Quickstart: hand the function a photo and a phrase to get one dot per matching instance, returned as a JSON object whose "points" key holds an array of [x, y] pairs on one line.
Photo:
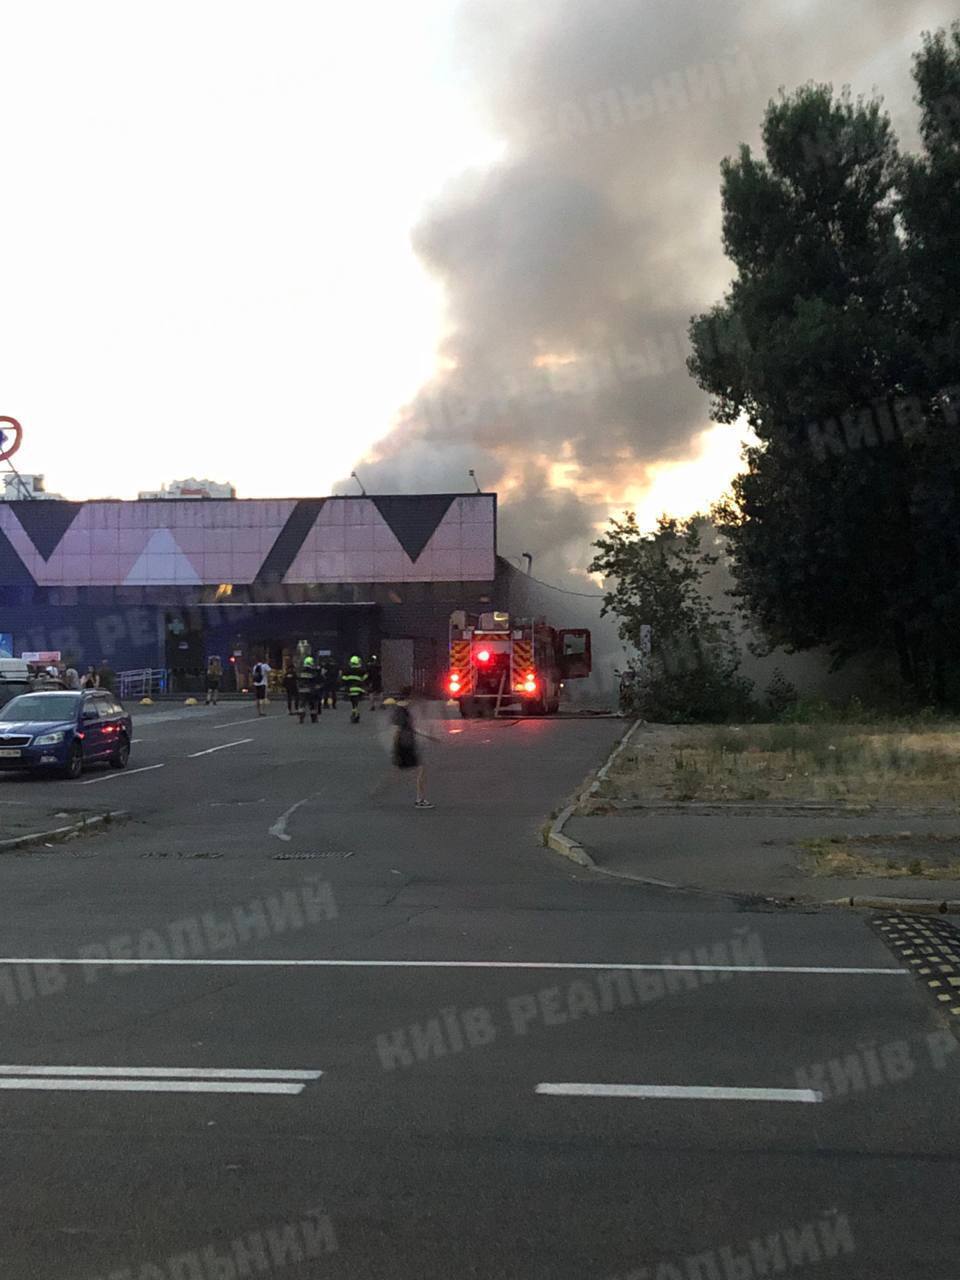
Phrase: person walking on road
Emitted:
{"points": [[90, 680], [329, 680], [406, 751], [214, 676], [106, 679], [261, 678], [375, 672], [291, 687], [309, 698], [355, 682], [71, 678]]}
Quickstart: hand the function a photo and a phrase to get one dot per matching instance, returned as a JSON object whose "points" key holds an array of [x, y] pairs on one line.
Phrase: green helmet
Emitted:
{"points": [[308, 662], [356, 662]]}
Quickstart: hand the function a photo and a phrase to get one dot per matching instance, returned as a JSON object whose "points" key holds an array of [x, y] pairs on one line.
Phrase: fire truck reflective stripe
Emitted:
{"points": [[460, 666], [522, 658]]}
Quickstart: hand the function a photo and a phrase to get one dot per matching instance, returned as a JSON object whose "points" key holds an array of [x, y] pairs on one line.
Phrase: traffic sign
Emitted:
{"points": [[9, 440]]}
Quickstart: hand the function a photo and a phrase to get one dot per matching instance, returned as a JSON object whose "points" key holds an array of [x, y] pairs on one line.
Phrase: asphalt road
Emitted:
{"points": [[366, 1041]]}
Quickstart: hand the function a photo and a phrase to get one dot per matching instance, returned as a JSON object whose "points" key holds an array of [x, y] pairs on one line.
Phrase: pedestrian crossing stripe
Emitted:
{"points": [[930, 948]]}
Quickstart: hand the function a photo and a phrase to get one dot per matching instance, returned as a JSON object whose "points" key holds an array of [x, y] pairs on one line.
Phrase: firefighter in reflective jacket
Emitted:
{"points": [[308, 686], [355, 681]]}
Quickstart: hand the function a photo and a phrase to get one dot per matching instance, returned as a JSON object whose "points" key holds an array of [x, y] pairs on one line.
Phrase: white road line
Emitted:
{"points": [[469, 964], [279, 828], [210, 750], [164, 1073], [134, 741], [232, 724], [76, 1085], [122, 773], [710, 1093]]}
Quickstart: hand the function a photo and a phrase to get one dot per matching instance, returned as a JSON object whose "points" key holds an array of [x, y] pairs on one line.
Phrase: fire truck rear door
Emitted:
{"points": [[575, 653]]}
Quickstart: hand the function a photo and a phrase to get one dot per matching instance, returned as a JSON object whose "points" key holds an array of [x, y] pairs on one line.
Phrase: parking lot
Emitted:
{"points": [[275, 1012]]}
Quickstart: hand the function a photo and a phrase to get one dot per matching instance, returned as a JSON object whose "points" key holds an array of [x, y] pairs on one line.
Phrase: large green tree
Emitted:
{"points": [[839, 528]]}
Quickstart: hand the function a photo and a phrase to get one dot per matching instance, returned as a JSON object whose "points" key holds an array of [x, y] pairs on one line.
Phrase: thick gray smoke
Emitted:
{"points": [[572, 267]]}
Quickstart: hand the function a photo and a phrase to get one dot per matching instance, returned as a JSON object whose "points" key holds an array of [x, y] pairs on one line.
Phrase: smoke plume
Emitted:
{"points": [[572, 266]]}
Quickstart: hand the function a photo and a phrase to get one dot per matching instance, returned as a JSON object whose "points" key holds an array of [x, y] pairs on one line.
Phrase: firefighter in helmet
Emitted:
{"points": [[355, 683], [309, 690]]}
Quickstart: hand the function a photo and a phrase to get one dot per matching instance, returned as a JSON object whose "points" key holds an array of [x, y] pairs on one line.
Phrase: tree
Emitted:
{"points": [[689, 669], [839, 527]]}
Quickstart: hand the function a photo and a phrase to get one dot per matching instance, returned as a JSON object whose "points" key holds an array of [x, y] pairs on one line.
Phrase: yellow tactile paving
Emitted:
{"points": [[931, 948]]}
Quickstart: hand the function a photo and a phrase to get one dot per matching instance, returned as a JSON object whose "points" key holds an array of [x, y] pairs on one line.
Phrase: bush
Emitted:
{"points": [[781, 695], [711, 693]]}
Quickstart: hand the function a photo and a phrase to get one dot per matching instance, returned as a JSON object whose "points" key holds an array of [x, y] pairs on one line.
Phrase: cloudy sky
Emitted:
{"points": [[268, 244]]}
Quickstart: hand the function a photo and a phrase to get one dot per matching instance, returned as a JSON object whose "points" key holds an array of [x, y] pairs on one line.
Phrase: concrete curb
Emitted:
{"points": [[562, 844], [925, 906], [61, 833], [572, 849]]}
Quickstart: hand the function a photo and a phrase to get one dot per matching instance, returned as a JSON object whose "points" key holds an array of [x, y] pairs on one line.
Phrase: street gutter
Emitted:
{"points": [[60, 834], [556, 840]]}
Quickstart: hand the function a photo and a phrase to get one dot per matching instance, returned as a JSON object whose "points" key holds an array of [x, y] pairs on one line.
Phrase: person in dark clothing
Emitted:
{"points": [[329, 683], [406, 752], [108, 679], [291, 688], [309, 696], [375, 672], [214, 676], [355, 681]]}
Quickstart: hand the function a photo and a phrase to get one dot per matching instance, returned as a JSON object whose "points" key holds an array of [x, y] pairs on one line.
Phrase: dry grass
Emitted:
{"points": [[853, 856], [784, 763]]}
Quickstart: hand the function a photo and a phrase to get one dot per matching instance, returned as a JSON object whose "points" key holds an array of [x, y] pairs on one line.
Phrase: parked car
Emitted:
{"points": [[62, 731], [17, 676]]}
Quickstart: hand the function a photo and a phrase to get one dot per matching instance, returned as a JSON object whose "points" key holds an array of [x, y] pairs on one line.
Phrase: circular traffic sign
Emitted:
{"points": [[9, 440]]}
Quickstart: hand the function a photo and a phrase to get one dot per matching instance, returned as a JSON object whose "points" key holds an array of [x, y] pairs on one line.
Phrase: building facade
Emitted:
{"points": [[170, 583]]}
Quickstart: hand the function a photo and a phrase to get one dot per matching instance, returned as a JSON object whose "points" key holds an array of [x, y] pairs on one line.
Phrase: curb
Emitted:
{"points": [[562, 844], [572, 849], [927, 906], [61, 833]]}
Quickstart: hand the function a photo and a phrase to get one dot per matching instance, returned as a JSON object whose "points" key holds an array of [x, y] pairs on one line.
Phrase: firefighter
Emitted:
{"points": [[308, 690], [355, 681]]}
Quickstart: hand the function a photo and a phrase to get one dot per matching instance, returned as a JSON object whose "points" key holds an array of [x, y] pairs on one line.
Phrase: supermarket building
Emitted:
{"points": [[168, 584]]}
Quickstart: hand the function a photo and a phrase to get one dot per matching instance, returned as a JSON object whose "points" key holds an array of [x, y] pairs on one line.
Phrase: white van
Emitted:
{"points": [[14, 679], [14, 669]]}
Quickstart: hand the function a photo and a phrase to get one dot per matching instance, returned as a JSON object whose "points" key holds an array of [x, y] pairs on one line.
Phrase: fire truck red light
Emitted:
{"points": [[483, 655]]}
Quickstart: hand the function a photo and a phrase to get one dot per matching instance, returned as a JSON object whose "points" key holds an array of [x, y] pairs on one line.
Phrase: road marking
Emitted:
{"points": [[134, 741], [155, 1080], [279, 828], [165, 1073], [232, 724], [470, 964], [710, 1093], [122, 773], [80, 1085], [210, 750]]}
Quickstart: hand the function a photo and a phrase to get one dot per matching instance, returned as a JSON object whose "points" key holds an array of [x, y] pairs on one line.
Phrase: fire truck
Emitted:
{"points": [[500, 664]]}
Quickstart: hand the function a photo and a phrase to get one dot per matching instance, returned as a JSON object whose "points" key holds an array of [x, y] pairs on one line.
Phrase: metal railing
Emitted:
{"points": [[146, 683]]}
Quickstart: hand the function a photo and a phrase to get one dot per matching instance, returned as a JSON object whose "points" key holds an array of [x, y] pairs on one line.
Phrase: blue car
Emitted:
{"points": [[62, 731]]}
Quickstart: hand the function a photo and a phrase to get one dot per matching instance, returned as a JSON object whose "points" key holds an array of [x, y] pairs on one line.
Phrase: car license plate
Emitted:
{"points": [[11, 753]]}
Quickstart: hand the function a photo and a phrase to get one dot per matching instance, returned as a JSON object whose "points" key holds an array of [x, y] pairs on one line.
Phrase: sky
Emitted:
{"points": [[272, 245]]}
